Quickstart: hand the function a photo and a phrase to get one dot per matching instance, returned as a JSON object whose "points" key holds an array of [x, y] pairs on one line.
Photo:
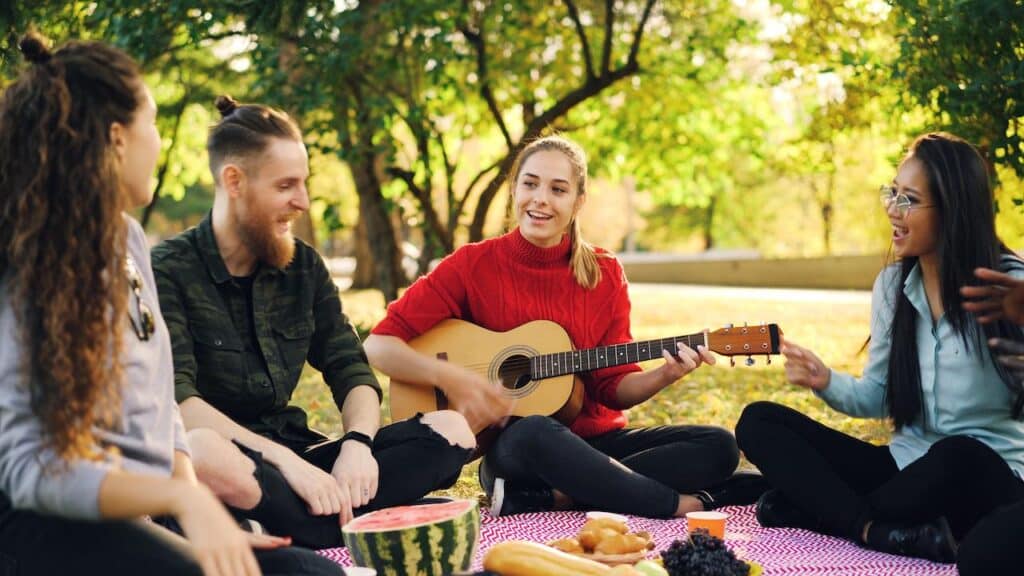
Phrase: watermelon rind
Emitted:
{"points": [[385, 541]]}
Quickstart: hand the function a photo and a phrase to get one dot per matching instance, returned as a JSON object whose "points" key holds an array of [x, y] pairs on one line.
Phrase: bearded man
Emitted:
{"points": [[247, 306]]}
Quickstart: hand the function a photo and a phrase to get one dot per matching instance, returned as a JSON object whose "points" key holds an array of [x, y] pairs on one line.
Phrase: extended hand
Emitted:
{"points": [[1002, 297], [219, 545], [803, 368], [317, 488], [357, 473]]}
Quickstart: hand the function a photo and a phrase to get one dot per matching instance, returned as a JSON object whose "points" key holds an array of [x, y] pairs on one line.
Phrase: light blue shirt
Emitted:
{"points": [[962, 392]]}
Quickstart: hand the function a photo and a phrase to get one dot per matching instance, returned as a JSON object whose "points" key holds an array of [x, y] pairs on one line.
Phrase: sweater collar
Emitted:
{"points": [[529, 254]]}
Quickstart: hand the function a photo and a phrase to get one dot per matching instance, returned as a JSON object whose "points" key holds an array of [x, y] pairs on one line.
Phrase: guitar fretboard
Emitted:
{"points": [[572, 362]]}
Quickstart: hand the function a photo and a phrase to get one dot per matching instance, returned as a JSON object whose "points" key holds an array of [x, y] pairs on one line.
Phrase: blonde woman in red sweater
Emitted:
{"points": [[544, 270]]}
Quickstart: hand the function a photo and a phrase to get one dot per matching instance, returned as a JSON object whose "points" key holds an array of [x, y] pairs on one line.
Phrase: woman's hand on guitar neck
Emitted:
{"points": [[803, 367], [685, 361], [477, 399]]}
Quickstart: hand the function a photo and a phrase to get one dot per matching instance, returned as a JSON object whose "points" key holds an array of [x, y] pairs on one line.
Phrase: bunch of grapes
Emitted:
{"points": [[702, 555]]}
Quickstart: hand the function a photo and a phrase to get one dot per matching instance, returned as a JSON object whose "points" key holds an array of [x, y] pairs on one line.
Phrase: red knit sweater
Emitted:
{"points": [[502, 283]]}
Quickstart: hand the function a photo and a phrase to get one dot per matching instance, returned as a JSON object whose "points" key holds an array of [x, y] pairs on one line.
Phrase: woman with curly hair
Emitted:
{"points": [[90, 437]]}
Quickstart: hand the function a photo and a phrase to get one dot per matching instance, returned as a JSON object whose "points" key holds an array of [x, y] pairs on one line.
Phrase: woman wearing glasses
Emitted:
{"points": [[957, 451], [90, 437]]}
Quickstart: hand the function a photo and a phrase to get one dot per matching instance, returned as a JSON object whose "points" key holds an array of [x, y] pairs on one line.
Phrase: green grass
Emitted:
{"points": [[833, 324]]}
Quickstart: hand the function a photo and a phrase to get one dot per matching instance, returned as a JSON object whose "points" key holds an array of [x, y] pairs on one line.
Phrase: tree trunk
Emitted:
{"points": [[709, 224], [365, 275], [383, 254]]}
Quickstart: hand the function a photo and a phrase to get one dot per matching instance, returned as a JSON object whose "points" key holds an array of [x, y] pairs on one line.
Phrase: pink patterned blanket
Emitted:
{"points": [[780, 551]]}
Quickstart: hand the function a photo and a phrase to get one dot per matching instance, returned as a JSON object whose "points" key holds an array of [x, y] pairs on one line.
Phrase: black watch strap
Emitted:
{"points": [[358, 437]]}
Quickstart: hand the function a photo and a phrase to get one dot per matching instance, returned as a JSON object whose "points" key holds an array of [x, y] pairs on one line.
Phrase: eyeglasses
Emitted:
{"points": [[890, 195], [146, 324]]}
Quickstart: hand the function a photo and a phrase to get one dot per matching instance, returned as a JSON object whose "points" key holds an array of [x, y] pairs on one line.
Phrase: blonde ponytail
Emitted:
{"points": [[583, 258]]}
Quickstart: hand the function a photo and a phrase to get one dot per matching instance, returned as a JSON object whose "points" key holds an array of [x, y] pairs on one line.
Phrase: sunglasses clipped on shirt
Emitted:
{"points": [[145, 325]]}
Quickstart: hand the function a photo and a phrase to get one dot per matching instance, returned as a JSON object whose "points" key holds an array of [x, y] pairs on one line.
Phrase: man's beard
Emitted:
{"points": [[257, 231]]}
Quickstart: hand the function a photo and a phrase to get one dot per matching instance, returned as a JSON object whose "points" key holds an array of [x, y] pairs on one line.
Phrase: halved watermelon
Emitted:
{"points": [[431, 539]]}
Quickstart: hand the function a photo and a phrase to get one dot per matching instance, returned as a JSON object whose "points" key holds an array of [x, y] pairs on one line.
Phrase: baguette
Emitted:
{"points": [[518, 558]]}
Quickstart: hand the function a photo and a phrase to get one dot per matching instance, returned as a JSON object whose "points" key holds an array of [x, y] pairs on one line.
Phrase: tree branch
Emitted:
{"points": [[609, 25], [474, 182], [638, 34], [423, 195], [477, 41], [574, 14]]}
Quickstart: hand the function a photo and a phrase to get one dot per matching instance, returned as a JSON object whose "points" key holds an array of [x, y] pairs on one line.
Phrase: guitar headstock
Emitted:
{"points": [[745, 340]]}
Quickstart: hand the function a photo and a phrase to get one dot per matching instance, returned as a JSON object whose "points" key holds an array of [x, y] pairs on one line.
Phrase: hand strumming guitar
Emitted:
{"points": [[477, 399]]}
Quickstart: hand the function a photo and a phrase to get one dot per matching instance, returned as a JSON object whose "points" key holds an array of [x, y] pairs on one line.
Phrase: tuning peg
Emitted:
{"points": [[749, 361], [768, 359], [732, 361], [727, 326]]}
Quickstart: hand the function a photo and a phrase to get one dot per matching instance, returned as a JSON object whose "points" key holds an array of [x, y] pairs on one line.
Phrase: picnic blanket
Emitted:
{"points": [[781, 551]]}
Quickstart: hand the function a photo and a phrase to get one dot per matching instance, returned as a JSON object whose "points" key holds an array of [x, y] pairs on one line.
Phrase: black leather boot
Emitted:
{"points": [[775, 510], [931, 540]]}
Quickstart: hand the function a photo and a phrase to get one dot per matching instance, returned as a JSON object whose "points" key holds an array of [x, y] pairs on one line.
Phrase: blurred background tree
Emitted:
{"points": [[710, 125]]}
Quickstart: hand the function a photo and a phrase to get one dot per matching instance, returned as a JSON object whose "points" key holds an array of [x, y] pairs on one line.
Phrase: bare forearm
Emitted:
{"points": [[361, 412], [197, 413], [637, 387], [183, 469], [394, 357], [127, 495]]}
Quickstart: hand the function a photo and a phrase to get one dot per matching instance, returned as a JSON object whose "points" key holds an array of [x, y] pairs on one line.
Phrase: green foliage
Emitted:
{"points": [[963, 60]]}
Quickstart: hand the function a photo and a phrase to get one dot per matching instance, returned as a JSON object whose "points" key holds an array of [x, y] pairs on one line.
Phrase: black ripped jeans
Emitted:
{"points": [[413, 459]]}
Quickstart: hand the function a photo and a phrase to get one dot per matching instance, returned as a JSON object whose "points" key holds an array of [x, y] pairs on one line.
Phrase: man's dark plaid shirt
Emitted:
{"points": [[244, 357]]}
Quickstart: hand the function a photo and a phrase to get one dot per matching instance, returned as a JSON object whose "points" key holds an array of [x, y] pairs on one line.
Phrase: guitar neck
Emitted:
{"points": [[575, 361]]}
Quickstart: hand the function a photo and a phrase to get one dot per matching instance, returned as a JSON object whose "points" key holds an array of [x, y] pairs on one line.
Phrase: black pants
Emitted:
{"points": [[637, 471], [845, 482], [36, 544], [993, 546], [413, 460]]}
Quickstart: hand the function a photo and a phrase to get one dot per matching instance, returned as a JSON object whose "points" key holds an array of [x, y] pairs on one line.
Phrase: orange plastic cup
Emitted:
{"points": [[713, 522]]}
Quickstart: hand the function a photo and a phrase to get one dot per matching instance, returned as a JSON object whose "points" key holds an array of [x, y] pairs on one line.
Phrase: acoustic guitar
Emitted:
{"points": [[536, 363]]}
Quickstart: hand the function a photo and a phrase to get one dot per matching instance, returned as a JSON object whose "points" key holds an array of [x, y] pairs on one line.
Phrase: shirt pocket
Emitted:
{"points": [[221, 368], [293, 341]]}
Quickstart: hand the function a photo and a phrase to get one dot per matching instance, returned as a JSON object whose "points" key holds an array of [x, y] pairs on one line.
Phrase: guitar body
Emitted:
{"points": [[499, 357]]}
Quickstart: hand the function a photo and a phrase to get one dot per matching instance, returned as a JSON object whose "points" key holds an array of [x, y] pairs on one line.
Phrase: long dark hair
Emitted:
{"points": [[62, 236], [962, 194]]}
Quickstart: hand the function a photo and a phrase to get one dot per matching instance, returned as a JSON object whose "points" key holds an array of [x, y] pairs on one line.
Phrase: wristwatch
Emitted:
{"points": [[358, 437]]}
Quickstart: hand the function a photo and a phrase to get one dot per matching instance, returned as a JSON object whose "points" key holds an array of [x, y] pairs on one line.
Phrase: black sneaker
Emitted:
{"points": [[741, 489], [775, 510], [486, 477], [507, 500], [931, 540]]}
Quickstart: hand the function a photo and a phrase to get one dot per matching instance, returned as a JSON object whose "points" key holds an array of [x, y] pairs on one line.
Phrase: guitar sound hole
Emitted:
{"points": [[514, 372]]}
